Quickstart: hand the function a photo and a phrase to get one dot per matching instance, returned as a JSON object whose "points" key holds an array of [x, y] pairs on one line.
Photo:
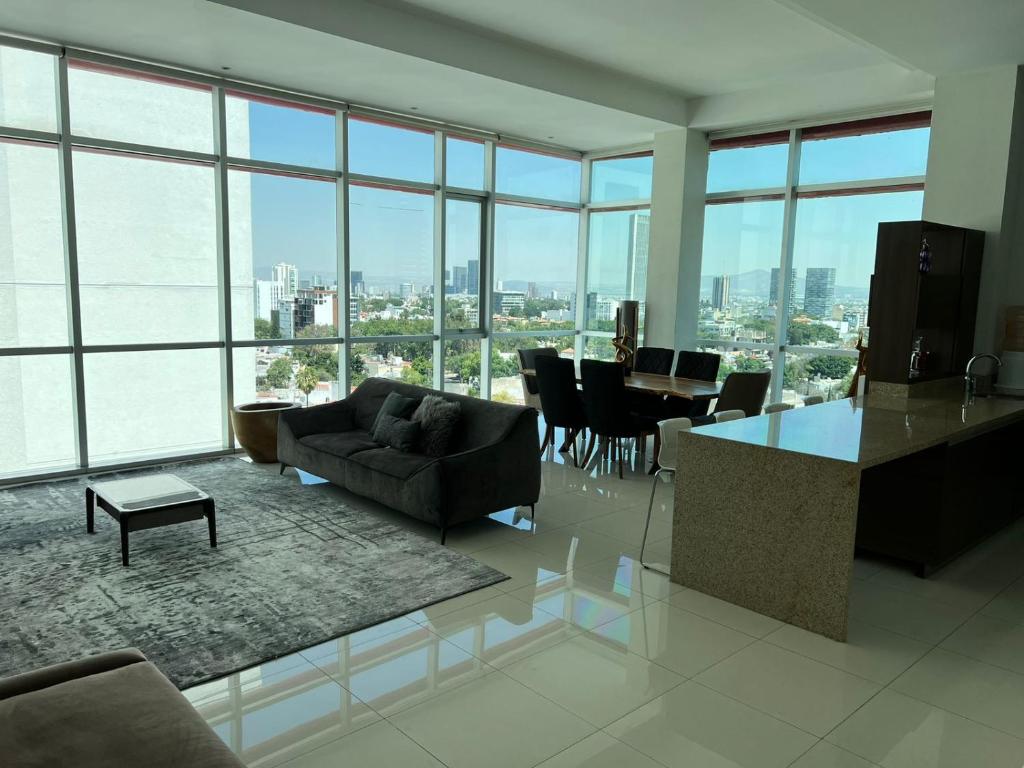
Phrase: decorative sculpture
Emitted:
{"points": [[627, 326]]}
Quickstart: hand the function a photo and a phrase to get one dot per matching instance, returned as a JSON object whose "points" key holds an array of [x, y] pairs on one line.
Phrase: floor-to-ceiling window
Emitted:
{"points": [[618, 244], [789, 245], [174, 244]]}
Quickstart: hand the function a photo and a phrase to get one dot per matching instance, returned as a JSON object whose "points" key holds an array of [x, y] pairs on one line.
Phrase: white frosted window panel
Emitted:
{"points": [[33, 301], [146, 404], [28, 90], [37, 415], [139, 109], [147, 250]]}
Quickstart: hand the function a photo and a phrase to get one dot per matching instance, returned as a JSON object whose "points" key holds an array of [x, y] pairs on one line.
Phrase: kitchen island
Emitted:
{"points": [[769, 509]]}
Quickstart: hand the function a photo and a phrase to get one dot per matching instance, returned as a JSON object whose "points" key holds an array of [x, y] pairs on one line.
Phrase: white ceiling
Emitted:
{"points": [[582, 73]]}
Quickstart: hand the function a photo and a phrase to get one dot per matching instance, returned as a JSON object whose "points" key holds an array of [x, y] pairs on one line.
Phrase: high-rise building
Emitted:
{"points": [[505, 302], [720, 292], [284, 282], [356, 283], [473, 276], [405, 290], [773, 287], [637, 255], [263, 302], [820, 291], [353, 310], [531, 290], [460, 276]]}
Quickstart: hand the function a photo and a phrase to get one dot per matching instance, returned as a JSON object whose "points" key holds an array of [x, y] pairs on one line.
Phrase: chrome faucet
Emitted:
{"points": [[970, 382]]}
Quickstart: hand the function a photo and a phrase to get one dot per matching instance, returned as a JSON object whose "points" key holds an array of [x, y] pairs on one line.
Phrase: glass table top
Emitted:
{"points": [[149, 491]]}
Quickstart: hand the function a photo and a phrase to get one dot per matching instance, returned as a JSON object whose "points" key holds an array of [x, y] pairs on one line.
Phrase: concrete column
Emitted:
{"points": [[677, 235], [975, 163]]}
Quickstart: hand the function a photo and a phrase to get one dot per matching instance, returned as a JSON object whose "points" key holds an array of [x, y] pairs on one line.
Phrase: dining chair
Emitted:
{"points": [[667, 459], [528, 361], [744, 391], [654, 360], [814, 400], [721, 416], [606, 405], [702, 366], [778, 407], [560, 402]]}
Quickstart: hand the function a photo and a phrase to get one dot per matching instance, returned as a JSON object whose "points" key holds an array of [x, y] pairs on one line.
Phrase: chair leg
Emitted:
{"points": [[618, 441], [575, 455], [283, 468], [647, 526], [531, 511], [549, 437], [589, 450]]}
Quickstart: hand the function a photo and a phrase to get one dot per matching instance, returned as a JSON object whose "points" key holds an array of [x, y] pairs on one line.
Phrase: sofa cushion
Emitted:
{"points": [[390, 462], [438, 418], [396, 405], [341, 444], [400, 434]]}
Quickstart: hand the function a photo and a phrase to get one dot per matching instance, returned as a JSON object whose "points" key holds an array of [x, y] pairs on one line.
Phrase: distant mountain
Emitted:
{"points": [[756, 284]]}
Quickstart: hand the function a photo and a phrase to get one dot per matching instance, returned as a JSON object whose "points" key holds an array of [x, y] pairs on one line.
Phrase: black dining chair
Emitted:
{"points": [[654, 360], [607, 407], [702, 366], [527, 361], [744, 391], [560, 402]]}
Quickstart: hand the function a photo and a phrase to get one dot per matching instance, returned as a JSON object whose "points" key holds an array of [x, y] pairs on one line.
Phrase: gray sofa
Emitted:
{"points": [[114, 709], [492, 463]]}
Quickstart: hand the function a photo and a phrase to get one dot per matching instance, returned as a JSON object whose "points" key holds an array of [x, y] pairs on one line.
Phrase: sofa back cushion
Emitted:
{"points": [[400, 434], [438, 420], [481, 421], [399, 406]]}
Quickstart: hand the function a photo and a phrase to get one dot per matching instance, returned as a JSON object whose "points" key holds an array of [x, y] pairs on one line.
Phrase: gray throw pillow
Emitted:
{"points": [[400, 434], [438, 419], [395, 405]]}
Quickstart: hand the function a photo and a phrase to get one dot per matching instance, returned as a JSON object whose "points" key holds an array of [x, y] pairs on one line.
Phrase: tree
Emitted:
{"points": [[279, 374], [357, 366], [829, 366], [322, 358], [808, 334], [750, 364], [411, 376], [264, 329], [306, 380]]}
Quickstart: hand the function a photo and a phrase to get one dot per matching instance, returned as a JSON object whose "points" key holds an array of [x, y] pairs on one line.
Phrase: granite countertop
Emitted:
{"points": [[868, 430]]}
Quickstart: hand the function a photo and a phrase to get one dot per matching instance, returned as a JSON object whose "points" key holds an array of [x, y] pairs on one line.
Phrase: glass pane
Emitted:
{"points": [[742, 360], [462, 366], [535, 255], [307, 375], [408, 361], [463, 238], [506, 383], [33, 300], [816, 374], [534, 174], [742, 249], [28, 90], [748, 168], [464, 159], [382, 149], [37, 414], [147, 249], [145, 404], [280, 132], [284, 256], [391, 245], [616, 265], [833, 258], [115, 104], [871, 156], [598, 348], [621, 178]]}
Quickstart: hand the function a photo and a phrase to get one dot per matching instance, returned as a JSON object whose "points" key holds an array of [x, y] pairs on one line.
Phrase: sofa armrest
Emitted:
{"points": [[38, 679], [339, 416], [502, 473]]}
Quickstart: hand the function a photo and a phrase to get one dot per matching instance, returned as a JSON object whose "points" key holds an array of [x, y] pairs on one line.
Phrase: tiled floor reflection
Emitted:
{"points": [[584, 658]]}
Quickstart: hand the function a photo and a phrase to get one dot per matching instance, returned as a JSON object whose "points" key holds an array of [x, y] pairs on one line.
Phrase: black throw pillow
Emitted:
{"points": [[400, 434], [438, 419], [395, 405]]}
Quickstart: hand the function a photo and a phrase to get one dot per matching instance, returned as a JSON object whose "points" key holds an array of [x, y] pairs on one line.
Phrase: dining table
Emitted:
{"points": [[660, 384]]}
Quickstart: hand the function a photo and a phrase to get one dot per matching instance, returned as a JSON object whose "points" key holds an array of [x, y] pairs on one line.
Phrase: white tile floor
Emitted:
{"points": [[583, 658]]}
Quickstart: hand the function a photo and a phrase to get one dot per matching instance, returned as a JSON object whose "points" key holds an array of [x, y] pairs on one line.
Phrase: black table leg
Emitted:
{"points": [[90, 510], [124, 543], [211, 520]]}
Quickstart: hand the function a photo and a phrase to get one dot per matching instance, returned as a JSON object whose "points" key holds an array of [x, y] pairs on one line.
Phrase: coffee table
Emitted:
{"points": [[149, 502]]}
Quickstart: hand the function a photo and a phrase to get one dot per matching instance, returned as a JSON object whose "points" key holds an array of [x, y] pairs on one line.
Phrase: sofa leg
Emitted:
{"points": [[531, 511], [283, 468], [444, 535]]}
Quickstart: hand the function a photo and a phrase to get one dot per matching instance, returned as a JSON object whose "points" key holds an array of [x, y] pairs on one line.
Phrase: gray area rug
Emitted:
{"points": [[294, 567]]}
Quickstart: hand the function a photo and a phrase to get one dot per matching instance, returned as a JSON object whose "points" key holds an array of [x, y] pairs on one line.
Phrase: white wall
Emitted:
{"points": [[973, 180], [677, 235]]}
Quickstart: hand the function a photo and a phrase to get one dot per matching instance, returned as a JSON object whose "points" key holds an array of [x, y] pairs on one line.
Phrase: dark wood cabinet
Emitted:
{"points": [[939, 305]]}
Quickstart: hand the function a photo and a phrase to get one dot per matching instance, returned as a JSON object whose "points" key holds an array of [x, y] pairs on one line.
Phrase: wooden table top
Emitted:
{"points": [[657, 384]]}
